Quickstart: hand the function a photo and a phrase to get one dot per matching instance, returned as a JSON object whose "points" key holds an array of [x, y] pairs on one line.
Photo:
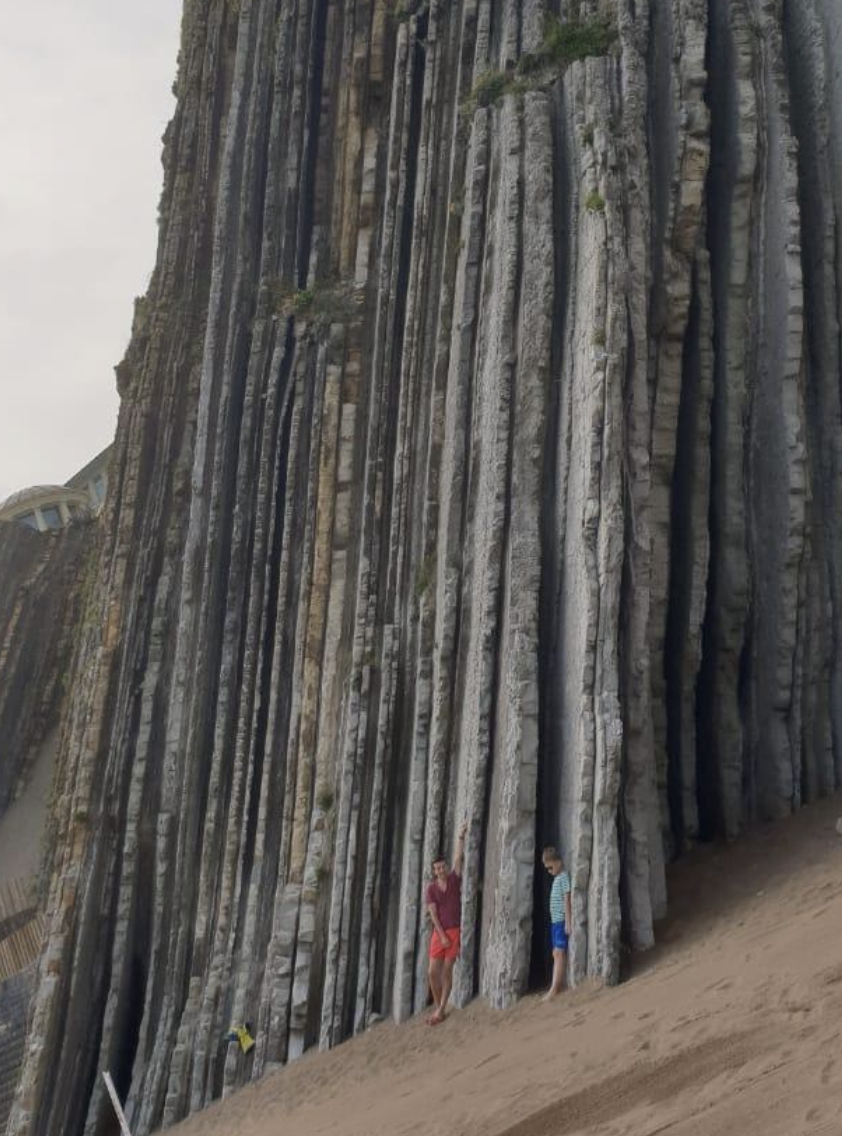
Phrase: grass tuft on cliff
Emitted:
{"points": [[564, 43], [404, 10], [491, 87], [573, 40], [325, 302]]}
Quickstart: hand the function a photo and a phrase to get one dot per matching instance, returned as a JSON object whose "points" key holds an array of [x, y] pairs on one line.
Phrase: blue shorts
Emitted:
{"points": [[558, 936]]}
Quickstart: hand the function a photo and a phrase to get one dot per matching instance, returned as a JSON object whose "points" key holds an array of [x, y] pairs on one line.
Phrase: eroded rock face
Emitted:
{"points": [[41, 607], [474, 462]]}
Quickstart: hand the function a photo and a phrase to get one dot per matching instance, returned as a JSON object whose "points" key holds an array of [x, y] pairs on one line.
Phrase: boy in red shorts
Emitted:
{"points": [[444, 903]]}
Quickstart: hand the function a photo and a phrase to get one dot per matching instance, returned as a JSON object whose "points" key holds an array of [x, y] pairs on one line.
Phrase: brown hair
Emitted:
{"points": [[551, 855]]}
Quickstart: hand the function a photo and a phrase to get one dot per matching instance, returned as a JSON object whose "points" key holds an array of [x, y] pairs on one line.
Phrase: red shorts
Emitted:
{"points": [[437, 951]]}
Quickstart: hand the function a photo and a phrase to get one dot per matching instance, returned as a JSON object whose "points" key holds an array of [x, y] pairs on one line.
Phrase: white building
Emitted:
{"points": [[51, 507]]}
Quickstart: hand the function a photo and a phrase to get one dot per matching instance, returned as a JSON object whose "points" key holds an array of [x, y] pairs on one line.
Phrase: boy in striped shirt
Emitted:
{"points": [[560, 918]]}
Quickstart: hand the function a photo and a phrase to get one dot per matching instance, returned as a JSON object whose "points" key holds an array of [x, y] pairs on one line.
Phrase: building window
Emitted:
{"points": [[99, 487], [30, 520], [51, 516]]}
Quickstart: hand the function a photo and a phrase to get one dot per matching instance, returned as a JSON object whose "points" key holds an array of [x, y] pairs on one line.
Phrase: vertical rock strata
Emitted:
{"points": [[41, 607], [479, 460]]}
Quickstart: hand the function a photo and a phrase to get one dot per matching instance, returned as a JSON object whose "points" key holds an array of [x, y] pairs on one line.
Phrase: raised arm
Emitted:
{"points": [[459, 858]]}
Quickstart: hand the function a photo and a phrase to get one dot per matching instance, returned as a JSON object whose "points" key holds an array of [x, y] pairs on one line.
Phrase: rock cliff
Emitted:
{"points": [[41, 608], [479, 456]]}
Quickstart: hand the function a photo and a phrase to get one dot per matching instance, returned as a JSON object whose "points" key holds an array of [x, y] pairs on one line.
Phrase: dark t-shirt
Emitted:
{"points": [[448, 902]]}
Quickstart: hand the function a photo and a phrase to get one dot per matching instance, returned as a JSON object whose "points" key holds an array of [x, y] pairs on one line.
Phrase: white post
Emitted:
{"points": [[115, 1100]]}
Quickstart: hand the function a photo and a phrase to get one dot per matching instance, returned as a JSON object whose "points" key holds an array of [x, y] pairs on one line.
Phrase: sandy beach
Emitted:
{"points": [[730, 1027]]}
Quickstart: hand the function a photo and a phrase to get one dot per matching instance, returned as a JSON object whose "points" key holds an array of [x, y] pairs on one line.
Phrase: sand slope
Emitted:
{"points": [[733, 1025], [22, 825]]}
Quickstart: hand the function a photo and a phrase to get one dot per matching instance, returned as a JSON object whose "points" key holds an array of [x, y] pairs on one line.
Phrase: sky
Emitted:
{"points": [[85, 95]]}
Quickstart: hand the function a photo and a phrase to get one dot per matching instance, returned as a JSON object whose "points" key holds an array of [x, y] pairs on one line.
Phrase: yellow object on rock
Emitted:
{"points": [[244, 1038]]}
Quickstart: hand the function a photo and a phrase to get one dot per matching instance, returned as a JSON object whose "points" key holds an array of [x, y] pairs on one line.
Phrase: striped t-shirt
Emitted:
{"points": [[558, 897]]}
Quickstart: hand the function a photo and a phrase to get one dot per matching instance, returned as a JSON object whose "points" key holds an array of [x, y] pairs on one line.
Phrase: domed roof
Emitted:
{"points": [[32, 493], [26, 501]]}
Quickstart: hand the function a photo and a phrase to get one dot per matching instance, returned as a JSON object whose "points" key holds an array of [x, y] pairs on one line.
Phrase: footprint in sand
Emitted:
{"points": [[487, 1060], [518, 1094], [643, 1017], [827, 1072], [617, 1017], [690, 1019]]}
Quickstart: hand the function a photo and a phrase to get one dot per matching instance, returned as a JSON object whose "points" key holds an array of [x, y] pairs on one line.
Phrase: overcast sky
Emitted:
{"points": [[85, 94]]}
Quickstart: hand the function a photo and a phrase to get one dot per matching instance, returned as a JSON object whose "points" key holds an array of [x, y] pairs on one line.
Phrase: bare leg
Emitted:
{"points": [[446, 986], [559, 961], [435, 976]]}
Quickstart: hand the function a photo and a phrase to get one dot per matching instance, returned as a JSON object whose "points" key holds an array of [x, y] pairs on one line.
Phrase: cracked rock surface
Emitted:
{"points": [[479, 459], [41, 608]]}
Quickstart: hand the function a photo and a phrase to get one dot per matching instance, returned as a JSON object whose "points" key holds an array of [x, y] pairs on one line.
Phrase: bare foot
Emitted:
{"points": [[548, 997], [437, 1018]]}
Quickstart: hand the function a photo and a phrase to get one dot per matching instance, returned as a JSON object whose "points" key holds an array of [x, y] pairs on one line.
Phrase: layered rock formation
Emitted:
{"points": [[15, 995], [43, 579], [41, 608], [21, 932], [478, 457]]}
